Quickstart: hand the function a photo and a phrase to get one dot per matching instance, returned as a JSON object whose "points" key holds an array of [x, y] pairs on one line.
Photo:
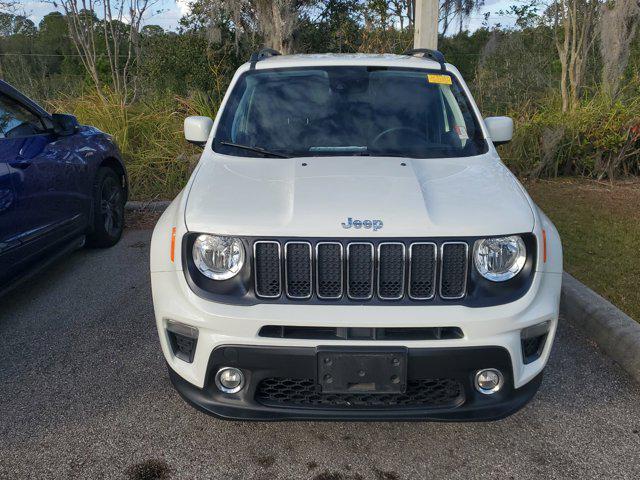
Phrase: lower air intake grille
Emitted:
{"points": [[183, 347], [304, 393], [532, 348], [361, 333], [267, 269]]}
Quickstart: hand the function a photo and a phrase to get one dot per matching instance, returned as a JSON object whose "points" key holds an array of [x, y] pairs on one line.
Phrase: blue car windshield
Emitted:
{"points": [[322, 111]]}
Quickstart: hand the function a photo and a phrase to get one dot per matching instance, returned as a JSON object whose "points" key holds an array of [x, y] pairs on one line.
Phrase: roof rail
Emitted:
{"points": [[261, 55], [428, 53]]}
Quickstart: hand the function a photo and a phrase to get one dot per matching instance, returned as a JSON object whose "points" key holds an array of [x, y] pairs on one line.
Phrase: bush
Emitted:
{"points": [[600, 139], [149, 134]]}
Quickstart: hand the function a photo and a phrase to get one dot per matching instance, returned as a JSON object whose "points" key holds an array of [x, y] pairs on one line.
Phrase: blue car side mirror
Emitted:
{"points": [[64, 124]]}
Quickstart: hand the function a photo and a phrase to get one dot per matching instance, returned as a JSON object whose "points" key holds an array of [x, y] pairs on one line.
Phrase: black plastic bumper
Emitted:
{"points": [[259, 363]]}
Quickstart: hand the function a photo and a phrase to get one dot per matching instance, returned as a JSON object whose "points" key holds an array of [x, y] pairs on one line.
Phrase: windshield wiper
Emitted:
{"points": [[254, 149]]}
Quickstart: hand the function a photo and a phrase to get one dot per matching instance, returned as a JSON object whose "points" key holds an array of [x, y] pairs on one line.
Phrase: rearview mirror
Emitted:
{"points": [[197, 129], [500, 129], [64, 124]]}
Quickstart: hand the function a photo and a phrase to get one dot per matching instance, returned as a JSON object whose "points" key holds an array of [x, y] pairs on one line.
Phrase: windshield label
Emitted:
{"points": [[461, 130], [440, 79], [374, 225]]}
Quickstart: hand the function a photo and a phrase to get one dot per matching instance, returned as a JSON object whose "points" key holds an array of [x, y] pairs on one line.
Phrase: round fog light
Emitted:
{"points": [[489, 381], [229, 380]]}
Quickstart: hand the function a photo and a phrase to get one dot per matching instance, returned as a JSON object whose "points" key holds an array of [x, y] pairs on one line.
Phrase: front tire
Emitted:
{"points": [[108, 210]]}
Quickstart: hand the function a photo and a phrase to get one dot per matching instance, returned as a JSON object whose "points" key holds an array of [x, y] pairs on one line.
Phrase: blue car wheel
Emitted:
{"points": [[108, 209]]}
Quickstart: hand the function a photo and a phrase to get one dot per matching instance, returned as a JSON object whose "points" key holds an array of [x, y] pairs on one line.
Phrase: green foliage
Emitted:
{"points": [[464, 51], [149, 134], [176, 63], [515, 69], [337, 31], [601, 139]]}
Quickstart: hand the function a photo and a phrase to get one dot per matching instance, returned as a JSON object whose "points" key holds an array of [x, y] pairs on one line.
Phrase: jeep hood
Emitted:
{"points": [[313, 197]]}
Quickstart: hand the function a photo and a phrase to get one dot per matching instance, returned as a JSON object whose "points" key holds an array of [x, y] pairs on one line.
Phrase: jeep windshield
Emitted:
{"points": [[323, 111]]}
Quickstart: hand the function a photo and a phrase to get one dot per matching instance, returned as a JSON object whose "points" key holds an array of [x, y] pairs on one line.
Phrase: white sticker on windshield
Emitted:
{"points": [[461, 130]]}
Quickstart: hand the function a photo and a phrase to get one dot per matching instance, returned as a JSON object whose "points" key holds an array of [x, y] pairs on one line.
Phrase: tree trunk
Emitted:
{"points": [[618, 26], [575, 19]]}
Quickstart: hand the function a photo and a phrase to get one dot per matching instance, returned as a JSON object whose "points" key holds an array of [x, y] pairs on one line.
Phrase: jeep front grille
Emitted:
{"points": [[360, 271]]}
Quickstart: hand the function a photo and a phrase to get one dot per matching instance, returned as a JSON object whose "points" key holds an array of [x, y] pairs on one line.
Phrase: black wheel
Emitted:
{"points": [[108, 209]]}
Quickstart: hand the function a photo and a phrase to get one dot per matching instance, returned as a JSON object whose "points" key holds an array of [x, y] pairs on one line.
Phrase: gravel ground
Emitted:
{"points": [[85, 394]]}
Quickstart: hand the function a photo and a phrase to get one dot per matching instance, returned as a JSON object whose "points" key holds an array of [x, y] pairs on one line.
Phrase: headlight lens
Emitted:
{"points": [[500, 259], [217, 257]]}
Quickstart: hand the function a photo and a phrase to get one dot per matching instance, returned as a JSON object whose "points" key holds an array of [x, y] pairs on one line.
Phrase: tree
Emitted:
{"points": [[7, 6], [277, 19], [333, 26], [460, 10], [574, 32], [120, 41], [16, 25], [54, 44], [618, 26], [151, 30]]}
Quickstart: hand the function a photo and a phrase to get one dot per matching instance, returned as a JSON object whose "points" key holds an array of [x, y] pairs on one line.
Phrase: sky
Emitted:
{"points": [[166, 13]]}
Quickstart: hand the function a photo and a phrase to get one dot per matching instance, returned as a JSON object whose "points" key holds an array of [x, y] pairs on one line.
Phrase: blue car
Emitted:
{"points": [[62, 185]]}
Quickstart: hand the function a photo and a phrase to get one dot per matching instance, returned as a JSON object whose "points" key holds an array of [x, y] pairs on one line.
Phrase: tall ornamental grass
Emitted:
{"points": [[149, 134]]}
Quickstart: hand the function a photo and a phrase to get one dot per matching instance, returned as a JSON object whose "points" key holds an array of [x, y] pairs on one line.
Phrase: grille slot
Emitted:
{"points": [[304, 393], [453, 270], [329, 270], [267, 268], [422, 271], [360, 271], [298, 269], [391, 260]]}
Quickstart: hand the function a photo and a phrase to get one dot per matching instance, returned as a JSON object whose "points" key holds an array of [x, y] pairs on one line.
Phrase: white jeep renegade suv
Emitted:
{"points": [[350, 246]]}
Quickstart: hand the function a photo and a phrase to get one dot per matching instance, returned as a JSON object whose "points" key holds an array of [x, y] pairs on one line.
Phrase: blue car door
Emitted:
{"points": [[8, 222], [47, 209]]}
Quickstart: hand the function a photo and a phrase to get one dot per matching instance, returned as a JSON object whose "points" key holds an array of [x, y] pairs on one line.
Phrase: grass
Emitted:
{"points": [[600, 228], [149, 134]]}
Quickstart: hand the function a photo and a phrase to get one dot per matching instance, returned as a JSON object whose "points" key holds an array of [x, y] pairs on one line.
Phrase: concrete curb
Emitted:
{"points": [[615, 332], [147, 206]]}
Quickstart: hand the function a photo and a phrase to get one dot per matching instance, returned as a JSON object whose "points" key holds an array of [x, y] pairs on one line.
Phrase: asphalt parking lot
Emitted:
{"points": [[84, 394]]}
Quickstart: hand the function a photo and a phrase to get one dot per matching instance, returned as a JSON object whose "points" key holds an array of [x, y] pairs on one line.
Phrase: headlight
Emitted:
{"points": [[500, 259], [219, 258]]}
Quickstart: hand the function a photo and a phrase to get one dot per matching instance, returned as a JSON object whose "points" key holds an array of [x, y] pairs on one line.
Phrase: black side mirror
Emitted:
{"points": [[64, 124]]}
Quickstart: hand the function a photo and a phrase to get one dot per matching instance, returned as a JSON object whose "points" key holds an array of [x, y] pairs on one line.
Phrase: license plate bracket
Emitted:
{"points": [[362, 372]]}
